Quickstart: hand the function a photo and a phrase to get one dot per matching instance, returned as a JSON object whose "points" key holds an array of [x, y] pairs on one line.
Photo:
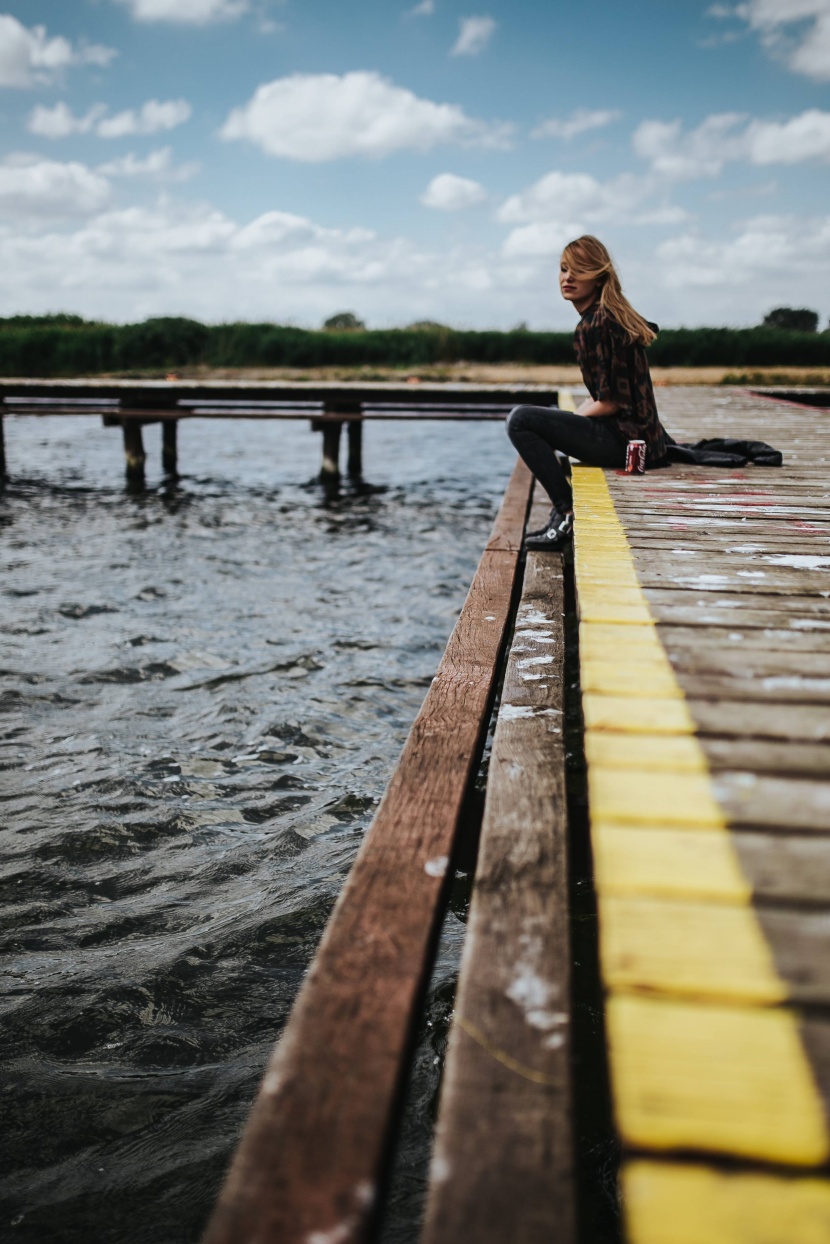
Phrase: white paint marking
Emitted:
{"points": [[439, 1170], [437, 867], [511, 712], [801, 561]]}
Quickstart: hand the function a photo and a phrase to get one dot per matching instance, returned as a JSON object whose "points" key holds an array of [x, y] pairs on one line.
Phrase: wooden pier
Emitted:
{"points": [[704, 633], [703, 599], [330, 407]]}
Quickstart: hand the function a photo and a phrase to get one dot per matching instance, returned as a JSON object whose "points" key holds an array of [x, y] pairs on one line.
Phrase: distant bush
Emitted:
{"points": [[70, 346], [793, 319], [344, 321]]}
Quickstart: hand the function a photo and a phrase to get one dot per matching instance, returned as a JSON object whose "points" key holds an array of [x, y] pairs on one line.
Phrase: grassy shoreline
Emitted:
{"points": [[488, 373]]}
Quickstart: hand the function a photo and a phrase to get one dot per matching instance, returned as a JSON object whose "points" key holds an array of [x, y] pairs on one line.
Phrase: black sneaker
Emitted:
{"points": [[555, 535], [549, 521]]}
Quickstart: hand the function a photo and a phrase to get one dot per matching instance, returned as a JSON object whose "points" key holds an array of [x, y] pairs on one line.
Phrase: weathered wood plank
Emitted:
{"points": [[810, 722], [314, 1148], [790, 867], [718, 1079], [503, 1151], [784, 803], [689, 1203]]}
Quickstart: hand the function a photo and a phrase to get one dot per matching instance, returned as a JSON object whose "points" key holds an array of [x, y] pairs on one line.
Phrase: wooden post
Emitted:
{"points": [[332, 430], [169, 446], [2, 450], [134, 449], [355, 458]]}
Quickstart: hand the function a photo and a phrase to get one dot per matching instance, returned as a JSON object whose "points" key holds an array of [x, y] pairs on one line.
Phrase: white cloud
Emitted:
{"points": [[797, 30], [729, 137], [559, 195], [32, 187], [151, 118], [425, 9], [157, 165], [473, 36], [450, 193], [28, 56], [540, 239], [184, 257], [59, 121], [700, 153], [579, 121], [805, 137], [560, 206], [318, 117], [781, 255], [186, 12]]}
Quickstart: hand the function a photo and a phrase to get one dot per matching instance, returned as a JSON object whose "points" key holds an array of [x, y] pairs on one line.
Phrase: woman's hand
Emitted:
{"points": [[591, 409]]}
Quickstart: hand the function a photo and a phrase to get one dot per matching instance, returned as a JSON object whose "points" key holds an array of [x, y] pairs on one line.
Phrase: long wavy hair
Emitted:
{"points": [[588, 258]]}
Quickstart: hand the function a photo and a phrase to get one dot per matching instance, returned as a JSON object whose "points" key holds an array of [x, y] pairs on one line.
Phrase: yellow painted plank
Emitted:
{"points": [[692, 949], [632, 643], [686, 1203], [628, 715], [730, 1080], [682, 863], [650, 679], [652, 798], [597, 610], [646, 752], [598, 593]]}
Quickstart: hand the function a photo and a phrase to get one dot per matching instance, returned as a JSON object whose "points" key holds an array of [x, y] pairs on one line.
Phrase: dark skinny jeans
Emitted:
{"points": [[539, 431]]}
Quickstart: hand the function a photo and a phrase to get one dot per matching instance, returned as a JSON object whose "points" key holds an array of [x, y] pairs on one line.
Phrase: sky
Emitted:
{"points": [[285, 160]]}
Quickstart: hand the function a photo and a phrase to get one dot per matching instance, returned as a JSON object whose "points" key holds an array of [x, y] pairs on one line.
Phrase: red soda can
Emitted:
{"points": [[635, 457]]}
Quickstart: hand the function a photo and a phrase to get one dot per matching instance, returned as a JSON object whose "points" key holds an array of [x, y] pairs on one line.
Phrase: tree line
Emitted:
{"points": [[67, 345]]}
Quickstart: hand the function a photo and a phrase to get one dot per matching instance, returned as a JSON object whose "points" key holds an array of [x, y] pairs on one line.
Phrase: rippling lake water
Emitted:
{"points": [[204, 691]]}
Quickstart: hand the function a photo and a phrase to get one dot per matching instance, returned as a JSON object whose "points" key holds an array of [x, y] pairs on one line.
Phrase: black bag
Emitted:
{"points": [[720, 451]]}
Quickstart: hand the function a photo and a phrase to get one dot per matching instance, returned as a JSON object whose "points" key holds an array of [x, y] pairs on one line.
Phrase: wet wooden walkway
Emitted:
{"points": [[704, 645], [704, 600]]}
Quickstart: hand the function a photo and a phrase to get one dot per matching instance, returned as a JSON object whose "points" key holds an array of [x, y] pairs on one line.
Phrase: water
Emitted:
{"points": [[204, 691]]}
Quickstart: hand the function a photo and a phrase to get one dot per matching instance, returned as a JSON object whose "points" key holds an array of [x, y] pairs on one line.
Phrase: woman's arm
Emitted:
{"points": [[591, 408]]}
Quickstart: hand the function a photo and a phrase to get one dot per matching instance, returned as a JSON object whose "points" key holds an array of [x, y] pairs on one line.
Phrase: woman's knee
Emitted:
{"points": [[518, 420]]}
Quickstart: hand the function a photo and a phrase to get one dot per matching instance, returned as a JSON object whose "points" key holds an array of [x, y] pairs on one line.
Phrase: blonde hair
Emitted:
{"points": [[587, 257]]}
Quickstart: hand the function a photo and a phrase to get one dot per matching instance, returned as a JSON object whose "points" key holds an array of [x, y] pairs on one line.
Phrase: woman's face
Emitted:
{"points": [[580, 290]]}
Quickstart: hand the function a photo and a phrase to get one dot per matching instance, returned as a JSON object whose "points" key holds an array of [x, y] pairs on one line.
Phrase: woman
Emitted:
{"points": [[610, 342]]}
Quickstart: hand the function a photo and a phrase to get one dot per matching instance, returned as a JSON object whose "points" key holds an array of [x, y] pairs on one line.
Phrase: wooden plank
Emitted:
{"points": [[718, 1079], [753, 799], [727, 716], [766, 638], [166, 393], [689, 1203], [503, 1151], [314, 1148], [670, 861], [775, 690], [794, 867], [680, 755]]}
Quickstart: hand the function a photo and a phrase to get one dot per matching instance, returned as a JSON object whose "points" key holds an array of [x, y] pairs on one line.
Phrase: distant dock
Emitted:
{"points": [[132, 405]]}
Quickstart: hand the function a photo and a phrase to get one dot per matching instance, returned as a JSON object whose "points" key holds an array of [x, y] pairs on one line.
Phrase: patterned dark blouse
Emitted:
{"points": [[616, 370]]}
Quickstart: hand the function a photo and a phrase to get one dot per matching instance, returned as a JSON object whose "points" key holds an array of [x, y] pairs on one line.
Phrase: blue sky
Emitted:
{"points": [[271, 159]]}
